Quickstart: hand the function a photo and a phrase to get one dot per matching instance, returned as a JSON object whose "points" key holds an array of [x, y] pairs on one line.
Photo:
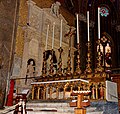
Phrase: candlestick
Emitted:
{"points": [[47, 37], [77, 29], [68, 72], [59, 72], [98, 22], [78, 69], [44, 68], [61, 34], [88, 25], [51, 70], [99, 67], [88, 69], [53, 35]]}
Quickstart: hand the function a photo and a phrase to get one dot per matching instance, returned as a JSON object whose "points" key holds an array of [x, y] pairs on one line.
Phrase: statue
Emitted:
{"points": [[108, 58], [101, 89], [93, 92], [55, 8], [30, 70]]}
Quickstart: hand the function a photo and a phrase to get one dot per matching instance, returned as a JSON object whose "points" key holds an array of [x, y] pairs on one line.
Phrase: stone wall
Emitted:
{"points": [[8, 15], [35, 27]]}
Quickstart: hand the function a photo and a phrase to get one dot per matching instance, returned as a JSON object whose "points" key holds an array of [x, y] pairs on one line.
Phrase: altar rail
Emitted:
{"points": [[62, 89]]}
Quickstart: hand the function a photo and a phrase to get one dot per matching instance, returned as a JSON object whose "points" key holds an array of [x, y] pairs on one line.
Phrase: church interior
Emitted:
{"points": [[59, 56]]}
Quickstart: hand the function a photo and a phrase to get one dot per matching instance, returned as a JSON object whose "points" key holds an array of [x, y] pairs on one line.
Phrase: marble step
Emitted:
{"points": [[61, 113], [43, 112], [62, 107], [55, 108]]}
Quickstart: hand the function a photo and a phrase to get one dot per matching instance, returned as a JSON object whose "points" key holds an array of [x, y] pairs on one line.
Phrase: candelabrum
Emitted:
{"points": [[68, 72], [88, 69], [99, 67], [59, 72], [44, 69], [51, 71], [78, 70]]}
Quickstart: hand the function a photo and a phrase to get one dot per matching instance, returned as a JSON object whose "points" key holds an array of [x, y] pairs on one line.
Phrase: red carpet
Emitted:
{"points": [[10, 95]]}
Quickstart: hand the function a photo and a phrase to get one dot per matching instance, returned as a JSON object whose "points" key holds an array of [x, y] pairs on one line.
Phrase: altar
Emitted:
{"points": [[51, 69]]}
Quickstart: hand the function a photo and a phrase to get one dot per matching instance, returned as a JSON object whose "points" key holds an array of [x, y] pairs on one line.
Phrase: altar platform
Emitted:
{"points": [[63, 107]]}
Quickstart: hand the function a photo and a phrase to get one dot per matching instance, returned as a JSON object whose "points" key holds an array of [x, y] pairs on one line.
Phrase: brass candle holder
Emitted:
{"points": [[68, 72], [99, 67], [78, 70], [59, 72], [88, 69], [44, 68], [51, 70]]}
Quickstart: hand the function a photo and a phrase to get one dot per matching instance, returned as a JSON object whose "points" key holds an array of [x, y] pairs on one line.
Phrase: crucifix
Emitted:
{"points": [[70, 34]]}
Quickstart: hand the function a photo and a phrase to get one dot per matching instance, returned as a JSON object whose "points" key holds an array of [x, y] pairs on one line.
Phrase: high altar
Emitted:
{"points": [[47, 69]]}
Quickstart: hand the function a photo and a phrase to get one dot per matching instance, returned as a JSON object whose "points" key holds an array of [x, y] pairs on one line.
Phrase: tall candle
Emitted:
{"points": [[61, 33], [88, 25], [47, 37], [98, 22], [53, 35], [23, 103], [77, 28]]}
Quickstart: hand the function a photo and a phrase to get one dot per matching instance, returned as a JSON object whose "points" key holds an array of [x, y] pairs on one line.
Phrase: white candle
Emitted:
{"points": [[77, 28], [98, 22], [88, 25], [47, 37], [53, 35], [61, 34], [23, 107]]}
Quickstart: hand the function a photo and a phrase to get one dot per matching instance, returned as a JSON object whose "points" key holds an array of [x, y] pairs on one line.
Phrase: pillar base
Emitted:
{"points": [[80, 111]]}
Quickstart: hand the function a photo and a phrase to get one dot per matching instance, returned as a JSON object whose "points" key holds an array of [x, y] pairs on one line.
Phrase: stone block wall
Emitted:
{"points": [[8, 14]]}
